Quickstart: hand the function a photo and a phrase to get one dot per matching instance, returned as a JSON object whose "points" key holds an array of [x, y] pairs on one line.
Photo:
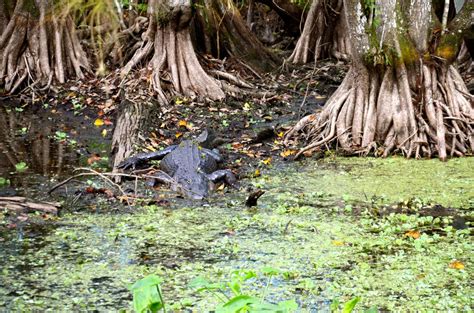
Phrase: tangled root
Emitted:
{"points": [[380, 111]]}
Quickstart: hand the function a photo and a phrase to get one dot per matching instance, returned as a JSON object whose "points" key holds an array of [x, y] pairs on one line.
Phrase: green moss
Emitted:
{"points": [[304, 225]]}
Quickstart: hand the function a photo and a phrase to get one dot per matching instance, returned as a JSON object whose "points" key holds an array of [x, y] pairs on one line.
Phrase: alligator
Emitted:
{"points": [[188, 167]]}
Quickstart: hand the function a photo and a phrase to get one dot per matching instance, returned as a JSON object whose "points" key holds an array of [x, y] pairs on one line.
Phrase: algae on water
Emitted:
{"points": [[305, 225]]}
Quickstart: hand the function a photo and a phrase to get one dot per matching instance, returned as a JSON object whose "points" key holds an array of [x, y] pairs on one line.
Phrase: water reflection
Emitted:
{"points": [[28, 136], [50, 141]]}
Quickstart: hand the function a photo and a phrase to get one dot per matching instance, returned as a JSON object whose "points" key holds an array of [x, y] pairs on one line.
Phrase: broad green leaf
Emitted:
{"points": [[146, 295], [350, 305], [148, 281], [235, 287], [146, 298], [239, 302]]}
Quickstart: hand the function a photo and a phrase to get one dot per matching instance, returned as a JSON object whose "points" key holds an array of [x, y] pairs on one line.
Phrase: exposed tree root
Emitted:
{"points": [[324, 33], [38, 50], [174, 59], [224, 33], [381, 110]]}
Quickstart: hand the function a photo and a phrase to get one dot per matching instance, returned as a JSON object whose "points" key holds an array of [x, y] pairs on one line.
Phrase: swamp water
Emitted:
{"points": [[380, 229]]}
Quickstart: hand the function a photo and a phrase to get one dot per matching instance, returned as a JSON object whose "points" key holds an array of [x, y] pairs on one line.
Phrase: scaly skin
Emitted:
{"points": [[191, 168]]}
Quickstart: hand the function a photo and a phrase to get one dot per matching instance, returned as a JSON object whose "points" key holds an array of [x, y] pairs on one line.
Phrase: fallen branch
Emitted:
{"points": [[24, 205]]}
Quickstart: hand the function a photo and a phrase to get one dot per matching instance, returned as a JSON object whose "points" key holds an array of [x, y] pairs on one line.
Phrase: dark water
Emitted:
{"points": [[51, 142]]}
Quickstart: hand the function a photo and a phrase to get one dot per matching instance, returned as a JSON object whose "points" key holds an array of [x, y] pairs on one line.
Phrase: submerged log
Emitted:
{"points": [[24, 205]]}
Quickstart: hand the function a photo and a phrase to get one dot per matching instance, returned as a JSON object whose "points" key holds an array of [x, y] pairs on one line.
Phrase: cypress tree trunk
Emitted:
{"points": [[402, 92], [174, 66], [37, 45]]}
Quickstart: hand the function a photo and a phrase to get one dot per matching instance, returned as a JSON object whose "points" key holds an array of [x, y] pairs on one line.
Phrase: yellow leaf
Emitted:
{"points": [[267, 161], [247, 106], [99, 122], [104, 132], [412, 234], [287, 153], [151, 148], [178, 101], [178, 134], [257, 173], [456, 265], [338, 243], [182, 123], [221, 187], [281, 134]]}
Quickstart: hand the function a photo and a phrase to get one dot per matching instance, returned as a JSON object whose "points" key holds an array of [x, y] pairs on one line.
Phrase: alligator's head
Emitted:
{"points": [[195, 186]]}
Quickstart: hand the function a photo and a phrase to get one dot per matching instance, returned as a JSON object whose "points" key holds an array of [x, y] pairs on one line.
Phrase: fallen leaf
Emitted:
{"points": [[287, 153], [90, 189], [178, 134], [151, 148], [281, 134], [267, 161], [182, 123], [108, 122], [413, 234], [99, 122], [93, 159], [237, 145], [257, 173], [338, 243], [104, 132], [456, 265]]}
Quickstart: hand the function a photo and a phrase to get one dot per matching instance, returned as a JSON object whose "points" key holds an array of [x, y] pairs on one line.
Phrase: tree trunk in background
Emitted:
{"points": [[174, 66], [289, 12], [37, 46], [324, 34], [224, 32], [402, 91], [131, 118]]}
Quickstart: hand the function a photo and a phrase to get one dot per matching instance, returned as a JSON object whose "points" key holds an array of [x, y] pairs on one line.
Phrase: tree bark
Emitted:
{"points": [[289, 12], [402, 92], [224, 33], [132, 116], [37, 47], [324, 34], [174, 59]]}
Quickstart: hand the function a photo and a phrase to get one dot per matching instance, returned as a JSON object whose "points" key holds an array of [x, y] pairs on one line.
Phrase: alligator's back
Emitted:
{"points": [[188, 157]]}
